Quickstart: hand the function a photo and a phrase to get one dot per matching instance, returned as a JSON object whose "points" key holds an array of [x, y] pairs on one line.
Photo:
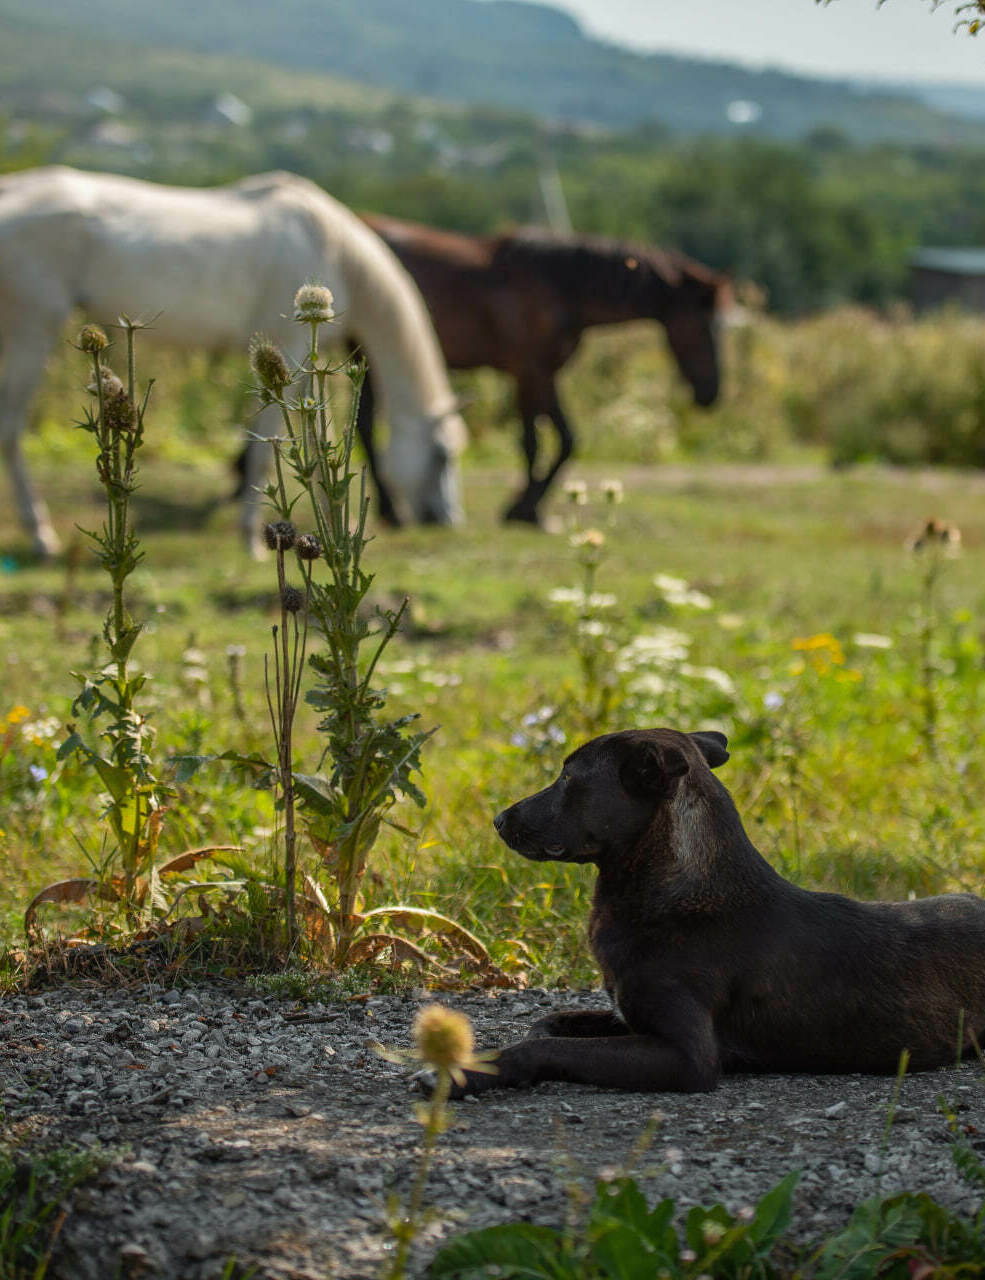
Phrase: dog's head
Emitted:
{"points": [[608, 794]]}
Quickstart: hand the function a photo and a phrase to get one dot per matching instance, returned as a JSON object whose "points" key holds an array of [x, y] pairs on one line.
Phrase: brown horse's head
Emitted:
{"points": [[690, 313]]}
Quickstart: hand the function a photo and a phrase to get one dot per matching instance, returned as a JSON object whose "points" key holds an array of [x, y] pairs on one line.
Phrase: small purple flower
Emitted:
{"points": [[38, 772], [773, 700]]}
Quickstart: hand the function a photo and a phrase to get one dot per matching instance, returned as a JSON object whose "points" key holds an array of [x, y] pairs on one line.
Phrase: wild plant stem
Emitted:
{"points": [[432, 1132], [927, 630], [286, 684]]}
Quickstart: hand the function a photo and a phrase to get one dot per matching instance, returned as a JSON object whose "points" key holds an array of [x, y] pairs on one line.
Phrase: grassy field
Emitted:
{"points": [[808, 633]]}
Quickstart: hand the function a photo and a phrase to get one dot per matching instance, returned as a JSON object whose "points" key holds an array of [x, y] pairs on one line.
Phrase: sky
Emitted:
{"points": [[902, 40]]}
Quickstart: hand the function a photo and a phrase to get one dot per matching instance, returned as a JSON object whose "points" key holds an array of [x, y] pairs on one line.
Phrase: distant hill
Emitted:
{"points": [[958, 99], [517, 56]]}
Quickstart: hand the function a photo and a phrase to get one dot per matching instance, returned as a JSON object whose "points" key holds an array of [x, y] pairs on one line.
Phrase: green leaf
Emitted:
{"points": [[620, 1200], [119, 782], [71, 744], [317, 793], [622, 1253], [518, 1250], [875, 1230], [120, 649], [253, 762], [186, 766], [774, 1211]]}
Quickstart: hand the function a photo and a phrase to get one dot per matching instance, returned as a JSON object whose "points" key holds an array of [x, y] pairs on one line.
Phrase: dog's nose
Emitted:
{"points": [[499, 821]]}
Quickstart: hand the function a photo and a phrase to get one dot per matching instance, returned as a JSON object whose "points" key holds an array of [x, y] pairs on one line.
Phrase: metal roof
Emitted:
{"points": [[965, 262]]}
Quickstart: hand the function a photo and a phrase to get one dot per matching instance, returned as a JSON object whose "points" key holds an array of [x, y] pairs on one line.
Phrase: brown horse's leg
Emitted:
{"points": [[364, 426], [534, 400]]}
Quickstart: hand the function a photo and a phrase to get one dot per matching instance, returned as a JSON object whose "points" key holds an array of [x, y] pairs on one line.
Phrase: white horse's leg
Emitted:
{"points": [[256, 467], [266, 425], [25, 353]]}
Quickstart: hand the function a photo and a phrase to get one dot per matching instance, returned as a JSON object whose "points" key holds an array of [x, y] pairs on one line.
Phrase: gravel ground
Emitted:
{"points": [[239, 1129]]}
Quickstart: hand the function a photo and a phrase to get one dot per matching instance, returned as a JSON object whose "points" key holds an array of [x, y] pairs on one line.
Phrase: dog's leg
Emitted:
{"points": [[638, 1064], [579, 1022], [682, 1058]]}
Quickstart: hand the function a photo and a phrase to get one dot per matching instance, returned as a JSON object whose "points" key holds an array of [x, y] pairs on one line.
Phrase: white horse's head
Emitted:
{"points": [[420, 466]]}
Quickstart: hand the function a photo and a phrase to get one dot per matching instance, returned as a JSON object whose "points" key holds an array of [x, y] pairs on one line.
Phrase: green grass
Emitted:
{"points": [[34, 1185], [836, 784]]}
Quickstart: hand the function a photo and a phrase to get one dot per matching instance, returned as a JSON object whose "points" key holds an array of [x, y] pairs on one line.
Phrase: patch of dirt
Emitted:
{"points": [[240, 1130]]}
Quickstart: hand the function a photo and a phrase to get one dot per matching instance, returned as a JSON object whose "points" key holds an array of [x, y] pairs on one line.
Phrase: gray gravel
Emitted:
{"points": [[237, 1131]]}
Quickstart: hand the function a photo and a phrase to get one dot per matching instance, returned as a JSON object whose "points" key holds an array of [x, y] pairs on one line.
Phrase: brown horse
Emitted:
{"points": [[519, 302]]}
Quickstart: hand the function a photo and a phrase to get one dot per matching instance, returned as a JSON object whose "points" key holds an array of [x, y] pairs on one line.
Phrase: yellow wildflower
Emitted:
{"points": [[822, 651], [17, 714]]}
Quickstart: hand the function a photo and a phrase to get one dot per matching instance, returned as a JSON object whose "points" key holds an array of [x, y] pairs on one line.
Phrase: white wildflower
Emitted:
{"points": [[439, 679], [567, 595], [677, 592], [579, 600], [870, 640], [649, 685], [39, 731], [713, 675], [665, 645]]}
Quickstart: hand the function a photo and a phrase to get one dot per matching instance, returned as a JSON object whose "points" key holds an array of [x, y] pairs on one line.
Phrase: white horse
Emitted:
{"points": [[216, 266]]}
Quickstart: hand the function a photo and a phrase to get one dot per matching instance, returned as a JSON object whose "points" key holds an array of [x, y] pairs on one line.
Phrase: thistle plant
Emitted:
{"points": [[109, 694], [372, 759], [444, 1042], [936, 542], [593, 639], [290, 640]]}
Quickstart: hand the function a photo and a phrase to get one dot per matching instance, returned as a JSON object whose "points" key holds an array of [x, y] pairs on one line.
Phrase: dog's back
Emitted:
{"points": [[838, 985]]}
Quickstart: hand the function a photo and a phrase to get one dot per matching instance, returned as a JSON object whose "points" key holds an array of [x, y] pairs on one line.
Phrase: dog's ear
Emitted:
{"points": [[712, 746], [646, 768]]}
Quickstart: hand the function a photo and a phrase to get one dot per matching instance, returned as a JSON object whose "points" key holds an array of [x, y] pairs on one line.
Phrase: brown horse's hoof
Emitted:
{"points": [[523, 513]]}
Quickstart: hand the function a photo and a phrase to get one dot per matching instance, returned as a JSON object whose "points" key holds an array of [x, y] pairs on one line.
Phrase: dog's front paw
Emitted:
{"points": [[426, 1082]]}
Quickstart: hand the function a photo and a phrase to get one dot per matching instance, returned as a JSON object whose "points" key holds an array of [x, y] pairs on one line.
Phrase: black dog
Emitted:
{"points": [[712, 960]]}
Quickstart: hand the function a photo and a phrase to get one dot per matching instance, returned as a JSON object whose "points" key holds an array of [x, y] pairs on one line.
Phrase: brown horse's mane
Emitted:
{"points": [[597, 264]]}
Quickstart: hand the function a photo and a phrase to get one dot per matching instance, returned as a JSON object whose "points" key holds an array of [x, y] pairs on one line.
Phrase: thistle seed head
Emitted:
{"points": [[292, 600], [313, 304], [268, 363], [92, 339], [279, 535], [443, 1037], [939, 533], [308, 547], [111, 385], [119, 411]]}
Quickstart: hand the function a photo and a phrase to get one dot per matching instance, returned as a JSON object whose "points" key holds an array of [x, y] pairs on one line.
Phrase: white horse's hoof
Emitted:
{"points": [[46, 544]]}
